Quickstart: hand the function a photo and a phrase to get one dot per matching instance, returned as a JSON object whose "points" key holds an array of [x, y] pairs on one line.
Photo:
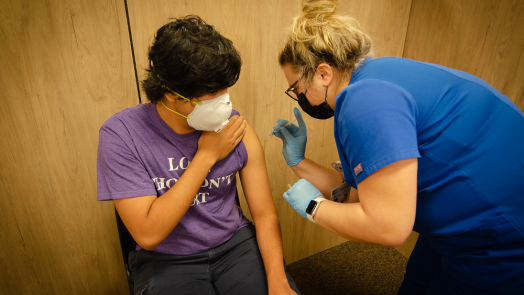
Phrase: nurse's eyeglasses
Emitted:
{"points": [[292, 91]]}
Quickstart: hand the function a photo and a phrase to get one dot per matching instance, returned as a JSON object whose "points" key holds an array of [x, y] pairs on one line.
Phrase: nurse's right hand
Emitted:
{"points": [[217, 146], [294, 139]]}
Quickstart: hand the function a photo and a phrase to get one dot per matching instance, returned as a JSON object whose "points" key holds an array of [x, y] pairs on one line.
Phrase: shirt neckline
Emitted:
{"points": [[357, 70]]}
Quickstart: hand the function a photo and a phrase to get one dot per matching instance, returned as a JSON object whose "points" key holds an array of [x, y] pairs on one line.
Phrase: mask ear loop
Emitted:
{"points": [[173, 110], [165, 87], [325, 96], [325, 99]]}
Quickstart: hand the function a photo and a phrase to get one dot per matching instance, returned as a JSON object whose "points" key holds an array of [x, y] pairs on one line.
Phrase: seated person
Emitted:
{"points": [[170, 168]]}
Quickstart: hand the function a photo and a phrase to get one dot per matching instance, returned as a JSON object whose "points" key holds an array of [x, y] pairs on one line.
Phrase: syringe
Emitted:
{"points": [[275, 131]]}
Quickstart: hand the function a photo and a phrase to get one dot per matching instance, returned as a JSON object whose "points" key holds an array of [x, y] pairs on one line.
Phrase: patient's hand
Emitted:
{"points": [[219, 145]]}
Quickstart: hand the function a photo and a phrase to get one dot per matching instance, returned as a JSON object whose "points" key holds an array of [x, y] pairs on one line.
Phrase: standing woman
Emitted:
{"points": [[424, 148]]}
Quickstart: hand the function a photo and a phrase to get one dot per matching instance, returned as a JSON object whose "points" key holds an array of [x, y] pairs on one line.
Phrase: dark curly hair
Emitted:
{"points": [[190, 57]]}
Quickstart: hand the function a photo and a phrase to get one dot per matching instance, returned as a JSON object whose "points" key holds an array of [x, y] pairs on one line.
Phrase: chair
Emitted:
{"points": [[128, 244]]}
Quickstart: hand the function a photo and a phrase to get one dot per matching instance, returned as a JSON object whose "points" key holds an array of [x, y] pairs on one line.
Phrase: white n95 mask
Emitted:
{"points": [[208, 115], [211, 114]]}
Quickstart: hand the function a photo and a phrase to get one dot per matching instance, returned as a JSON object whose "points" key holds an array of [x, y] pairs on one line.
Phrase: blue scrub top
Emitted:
{"points": [[469, 141]]}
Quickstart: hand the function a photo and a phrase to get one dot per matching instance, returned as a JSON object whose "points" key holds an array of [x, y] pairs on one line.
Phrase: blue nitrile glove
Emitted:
{"points": [[300, 195], [294, 138]]}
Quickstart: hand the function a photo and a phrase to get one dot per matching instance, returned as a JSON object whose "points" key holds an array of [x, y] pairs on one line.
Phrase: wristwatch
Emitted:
{"points": [[313, 206]]}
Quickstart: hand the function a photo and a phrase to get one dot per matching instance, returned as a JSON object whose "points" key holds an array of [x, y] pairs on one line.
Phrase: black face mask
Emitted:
{"points": [[322, 111]]}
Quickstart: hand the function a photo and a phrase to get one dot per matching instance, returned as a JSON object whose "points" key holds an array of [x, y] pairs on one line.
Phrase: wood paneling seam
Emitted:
{"points": [[407, 28], [133, 53]]}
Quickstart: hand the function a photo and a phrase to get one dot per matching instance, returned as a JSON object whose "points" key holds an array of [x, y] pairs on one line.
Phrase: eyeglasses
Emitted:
{"points": [[292, 91]]}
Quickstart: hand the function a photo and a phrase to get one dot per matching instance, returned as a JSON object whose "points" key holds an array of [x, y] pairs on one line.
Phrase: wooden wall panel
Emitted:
{"points": [[66, 67], [481, 37], [256, 29]]}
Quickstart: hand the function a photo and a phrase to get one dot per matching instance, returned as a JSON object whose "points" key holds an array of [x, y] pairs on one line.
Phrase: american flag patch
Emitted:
{"points": [[358, 169]]}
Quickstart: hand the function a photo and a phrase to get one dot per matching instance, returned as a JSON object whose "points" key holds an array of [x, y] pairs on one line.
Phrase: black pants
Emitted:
{"points": [[235, 267]]}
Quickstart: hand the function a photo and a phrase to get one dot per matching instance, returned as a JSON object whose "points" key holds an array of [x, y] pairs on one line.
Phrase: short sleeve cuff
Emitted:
{"points": [[368, 170]]}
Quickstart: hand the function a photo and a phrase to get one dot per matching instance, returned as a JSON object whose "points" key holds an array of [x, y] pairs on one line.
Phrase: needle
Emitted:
{"points": [[275, 131]]}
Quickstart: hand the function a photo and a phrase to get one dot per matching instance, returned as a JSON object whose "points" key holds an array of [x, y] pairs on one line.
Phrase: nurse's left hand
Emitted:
{"points": [[294, 139], [300, 195]]}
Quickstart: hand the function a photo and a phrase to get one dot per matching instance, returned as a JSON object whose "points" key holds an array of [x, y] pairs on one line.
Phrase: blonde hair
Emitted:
{"points": [[320, 35]]}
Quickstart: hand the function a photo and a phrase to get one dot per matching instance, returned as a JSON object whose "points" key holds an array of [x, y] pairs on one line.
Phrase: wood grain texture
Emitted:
{"points": [[66, 67], [481, 37], [256, 29]]}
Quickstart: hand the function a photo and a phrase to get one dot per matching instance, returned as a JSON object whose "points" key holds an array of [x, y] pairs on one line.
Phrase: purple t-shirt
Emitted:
{"points": [[140, 155]]}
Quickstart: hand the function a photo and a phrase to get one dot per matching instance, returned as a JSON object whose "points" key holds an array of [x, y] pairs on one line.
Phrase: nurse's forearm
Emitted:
{"points": [[351, 222], [334, 217], [384, 216], [323, 178], [353, 196]]}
